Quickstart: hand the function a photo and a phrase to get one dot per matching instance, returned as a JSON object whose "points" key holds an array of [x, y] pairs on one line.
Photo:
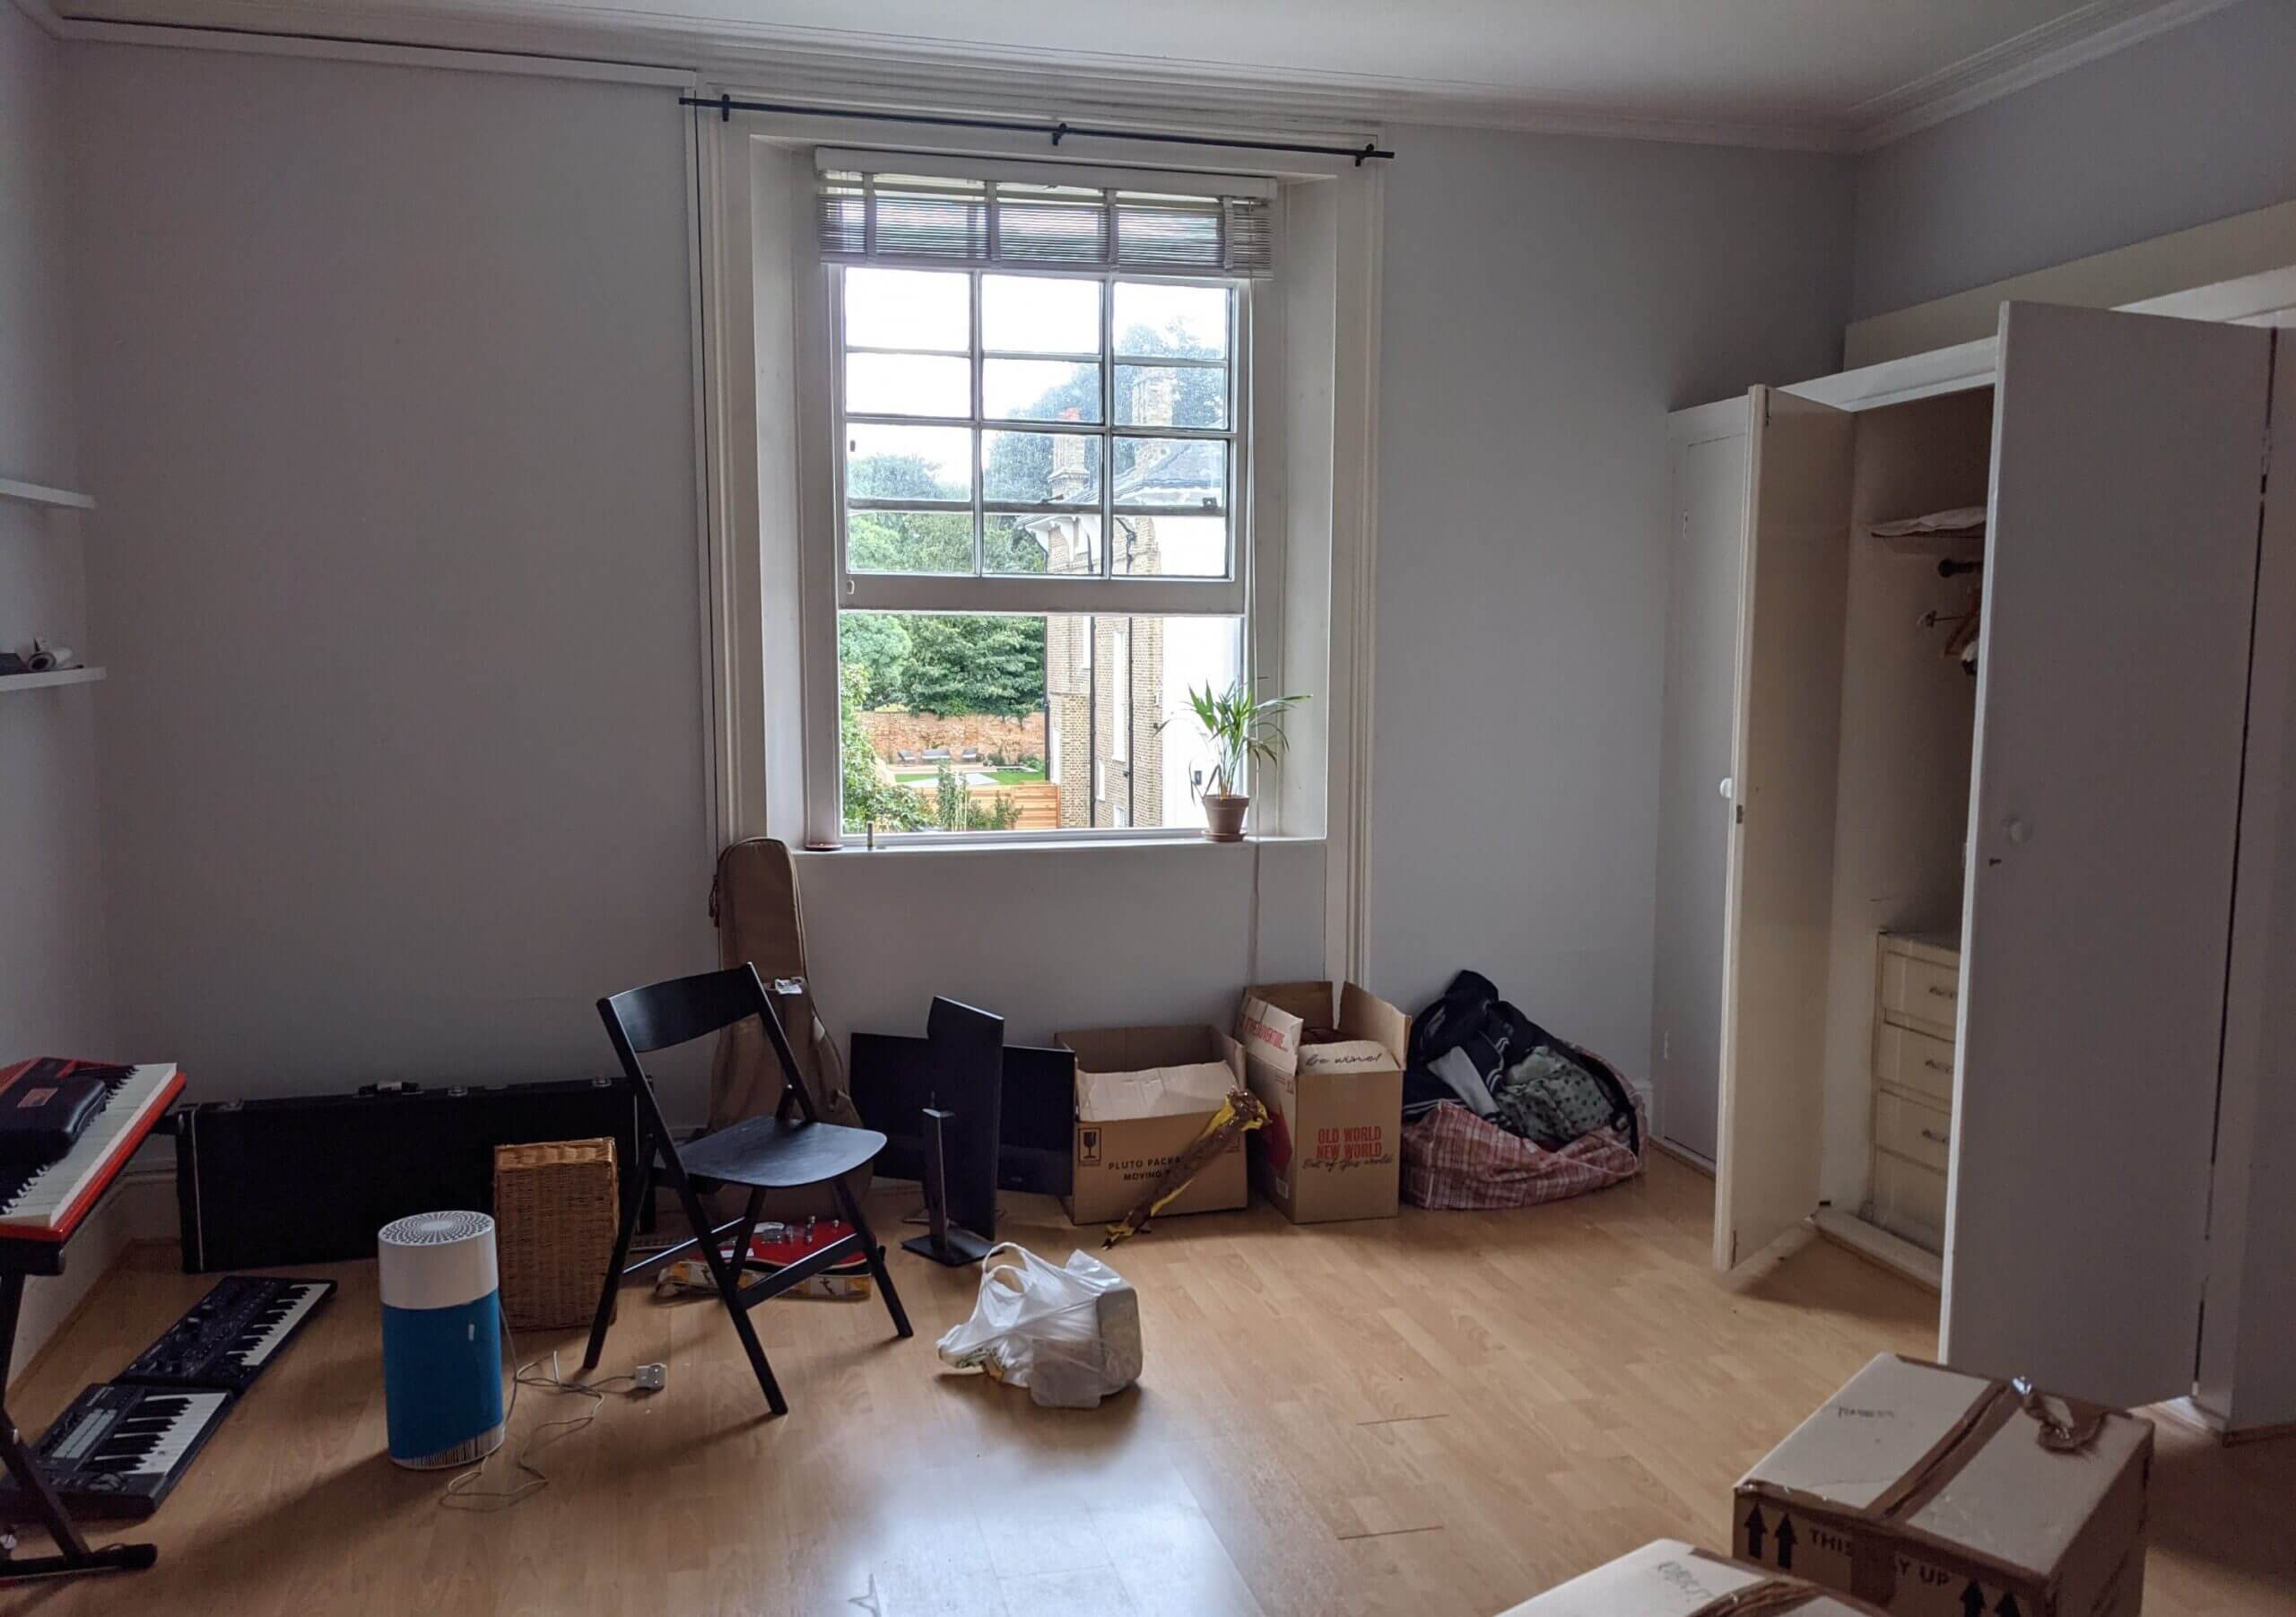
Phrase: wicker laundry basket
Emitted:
{"points": [[554, 1221]]}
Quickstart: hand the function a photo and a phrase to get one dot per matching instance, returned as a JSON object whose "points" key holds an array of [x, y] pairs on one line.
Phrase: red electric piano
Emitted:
{"points": [[40, 1209]]}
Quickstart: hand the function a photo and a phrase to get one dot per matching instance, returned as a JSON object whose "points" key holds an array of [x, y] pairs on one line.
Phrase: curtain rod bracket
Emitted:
{"points": [[1058, 130], [1370, 148]]}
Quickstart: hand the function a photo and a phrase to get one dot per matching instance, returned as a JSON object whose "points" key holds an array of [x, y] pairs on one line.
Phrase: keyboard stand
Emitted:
{"points": [[72, 1556]]}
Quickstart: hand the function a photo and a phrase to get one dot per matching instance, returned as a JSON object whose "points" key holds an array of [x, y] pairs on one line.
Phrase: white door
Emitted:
{"points": [[2119, 587], [1706, 573], [1778, 905]]}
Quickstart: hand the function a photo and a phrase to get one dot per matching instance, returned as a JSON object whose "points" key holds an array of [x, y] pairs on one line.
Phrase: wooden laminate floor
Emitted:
{"points": [[1436, 1415]]}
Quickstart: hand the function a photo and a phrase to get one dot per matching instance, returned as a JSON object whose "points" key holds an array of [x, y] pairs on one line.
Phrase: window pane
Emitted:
{"points": [[943, 723], [1170, 547], [1191, 473], [1040, 468], [1180, 322], [1129, 750], [1027, 722], [909, 542], [908, 309], [1171, 395], [1038, 314], [1067, 545], [1040, 390], [907, 463], [908, 384]]}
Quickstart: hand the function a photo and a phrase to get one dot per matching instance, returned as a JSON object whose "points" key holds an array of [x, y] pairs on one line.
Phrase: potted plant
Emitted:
{"points": [[1240, 730]]}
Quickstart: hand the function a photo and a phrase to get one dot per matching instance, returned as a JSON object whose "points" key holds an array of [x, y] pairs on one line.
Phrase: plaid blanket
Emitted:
{"points": [[1453, 1159]]}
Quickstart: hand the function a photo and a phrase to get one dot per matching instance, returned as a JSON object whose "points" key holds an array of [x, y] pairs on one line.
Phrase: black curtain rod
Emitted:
{"points": [[727, 106]]}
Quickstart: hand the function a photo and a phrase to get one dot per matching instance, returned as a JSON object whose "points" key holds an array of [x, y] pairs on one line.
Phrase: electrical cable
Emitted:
{"points": [[459, 1495]]}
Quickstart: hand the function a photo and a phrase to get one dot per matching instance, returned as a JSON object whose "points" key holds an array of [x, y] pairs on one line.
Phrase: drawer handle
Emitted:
{"points": [[1945, 992], [1934, 1138], [1935, 1065]]}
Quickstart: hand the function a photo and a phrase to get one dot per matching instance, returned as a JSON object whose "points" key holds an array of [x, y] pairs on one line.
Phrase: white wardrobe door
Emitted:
{"points": [[2119, 580], [1780, 879], [1706, 573]]}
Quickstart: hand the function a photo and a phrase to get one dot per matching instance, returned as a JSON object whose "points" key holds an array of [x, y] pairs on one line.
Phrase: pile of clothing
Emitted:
{"points": [[1497, 1112]]}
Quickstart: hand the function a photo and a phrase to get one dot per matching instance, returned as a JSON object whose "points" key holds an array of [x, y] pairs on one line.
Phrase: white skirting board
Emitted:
{"points": [[1891, 1252]]}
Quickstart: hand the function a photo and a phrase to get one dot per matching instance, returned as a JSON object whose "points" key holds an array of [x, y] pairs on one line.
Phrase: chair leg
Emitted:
{"points": [[604, 1315], [751, 1212], [851, 1205], [728, 1277]]}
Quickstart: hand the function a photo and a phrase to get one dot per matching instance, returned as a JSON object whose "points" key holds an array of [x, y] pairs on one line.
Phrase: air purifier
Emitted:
{"points": [[442, 1339]]}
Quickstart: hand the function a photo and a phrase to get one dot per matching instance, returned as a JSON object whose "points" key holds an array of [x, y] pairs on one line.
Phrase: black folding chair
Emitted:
{"points": [[781, 1150]]}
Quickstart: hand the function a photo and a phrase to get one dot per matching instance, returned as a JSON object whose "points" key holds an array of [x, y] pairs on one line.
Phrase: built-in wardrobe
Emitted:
{"points": [[1955, 792]]}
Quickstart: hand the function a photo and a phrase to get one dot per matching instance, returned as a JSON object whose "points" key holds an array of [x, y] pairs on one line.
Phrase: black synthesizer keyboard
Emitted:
{"points": [[231, 1335], [117, 1451]]}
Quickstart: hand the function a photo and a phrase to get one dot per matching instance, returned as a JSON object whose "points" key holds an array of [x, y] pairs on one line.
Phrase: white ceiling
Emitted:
{"points": [[1813, 71]]}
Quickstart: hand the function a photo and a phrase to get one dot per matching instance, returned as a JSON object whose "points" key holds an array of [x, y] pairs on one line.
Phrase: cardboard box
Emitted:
{"points": [[1933, 1493], [1333, 1145], [1143, 1096], [1669, 1578]]}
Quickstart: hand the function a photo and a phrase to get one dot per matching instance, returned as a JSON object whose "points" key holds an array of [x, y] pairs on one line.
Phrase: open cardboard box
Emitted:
{"points": [[1333, 1145], [1143, 1096]]}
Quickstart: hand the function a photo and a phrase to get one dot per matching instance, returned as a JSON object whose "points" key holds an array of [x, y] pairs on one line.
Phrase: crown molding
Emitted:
{"points": [[889, 72], [2075, 40], [905, 72]]}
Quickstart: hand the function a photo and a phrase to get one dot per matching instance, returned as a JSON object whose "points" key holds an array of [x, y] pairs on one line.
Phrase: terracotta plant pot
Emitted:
{"points": [[1223, 815]]}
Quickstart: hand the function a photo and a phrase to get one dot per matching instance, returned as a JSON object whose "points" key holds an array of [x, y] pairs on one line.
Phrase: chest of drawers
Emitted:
{"points": [[1916, 992]]}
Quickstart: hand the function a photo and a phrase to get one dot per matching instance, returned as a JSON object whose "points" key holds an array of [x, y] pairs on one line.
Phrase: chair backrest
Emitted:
{"points": [[685, 1008]]}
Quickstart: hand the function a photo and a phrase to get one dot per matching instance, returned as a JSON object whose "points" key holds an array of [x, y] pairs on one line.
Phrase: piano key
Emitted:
{"points": [[41, 1202], [310, 1297], [226, 1339], [119, 1449]]}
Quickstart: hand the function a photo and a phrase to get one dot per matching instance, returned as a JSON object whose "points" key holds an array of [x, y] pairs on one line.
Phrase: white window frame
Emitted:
{"points": [[821, 426], [770, 711], [1111, 595]]}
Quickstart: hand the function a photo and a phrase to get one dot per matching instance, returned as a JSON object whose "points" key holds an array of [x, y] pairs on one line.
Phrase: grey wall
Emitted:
{"points": [[53, 975], [388, 388], [2194, 126], [1056, 939], [1547, 300], [388, 379]]}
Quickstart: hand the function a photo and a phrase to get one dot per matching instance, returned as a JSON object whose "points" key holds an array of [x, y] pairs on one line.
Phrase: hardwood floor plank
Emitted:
{"points": [[1431, 1416]]}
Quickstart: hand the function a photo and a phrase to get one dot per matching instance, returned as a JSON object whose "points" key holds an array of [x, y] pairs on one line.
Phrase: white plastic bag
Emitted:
{"points": [[1070, 1335]]}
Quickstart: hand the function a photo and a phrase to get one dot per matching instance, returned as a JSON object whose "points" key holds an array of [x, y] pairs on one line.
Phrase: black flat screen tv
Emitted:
{"points": [[894, 1079]]}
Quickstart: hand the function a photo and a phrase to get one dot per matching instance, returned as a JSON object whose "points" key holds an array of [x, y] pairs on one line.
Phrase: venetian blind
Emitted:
{"points": [[1049, 222]]}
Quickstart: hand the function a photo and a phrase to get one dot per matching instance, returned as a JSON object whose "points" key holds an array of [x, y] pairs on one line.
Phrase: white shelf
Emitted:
{"points": [[61, 676], [40, 493]]}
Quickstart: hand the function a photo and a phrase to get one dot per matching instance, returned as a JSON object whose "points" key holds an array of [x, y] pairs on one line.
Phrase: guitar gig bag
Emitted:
{"points": [[753, 904]]}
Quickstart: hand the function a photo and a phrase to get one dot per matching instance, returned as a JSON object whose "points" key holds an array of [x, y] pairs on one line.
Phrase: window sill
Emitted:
{"points": [[979, 842]]}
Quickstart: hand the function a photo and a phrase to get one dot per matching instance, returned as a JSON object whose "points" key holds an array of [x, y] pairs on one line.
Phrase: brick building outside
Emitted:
{"points": [[1111, 681]]}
